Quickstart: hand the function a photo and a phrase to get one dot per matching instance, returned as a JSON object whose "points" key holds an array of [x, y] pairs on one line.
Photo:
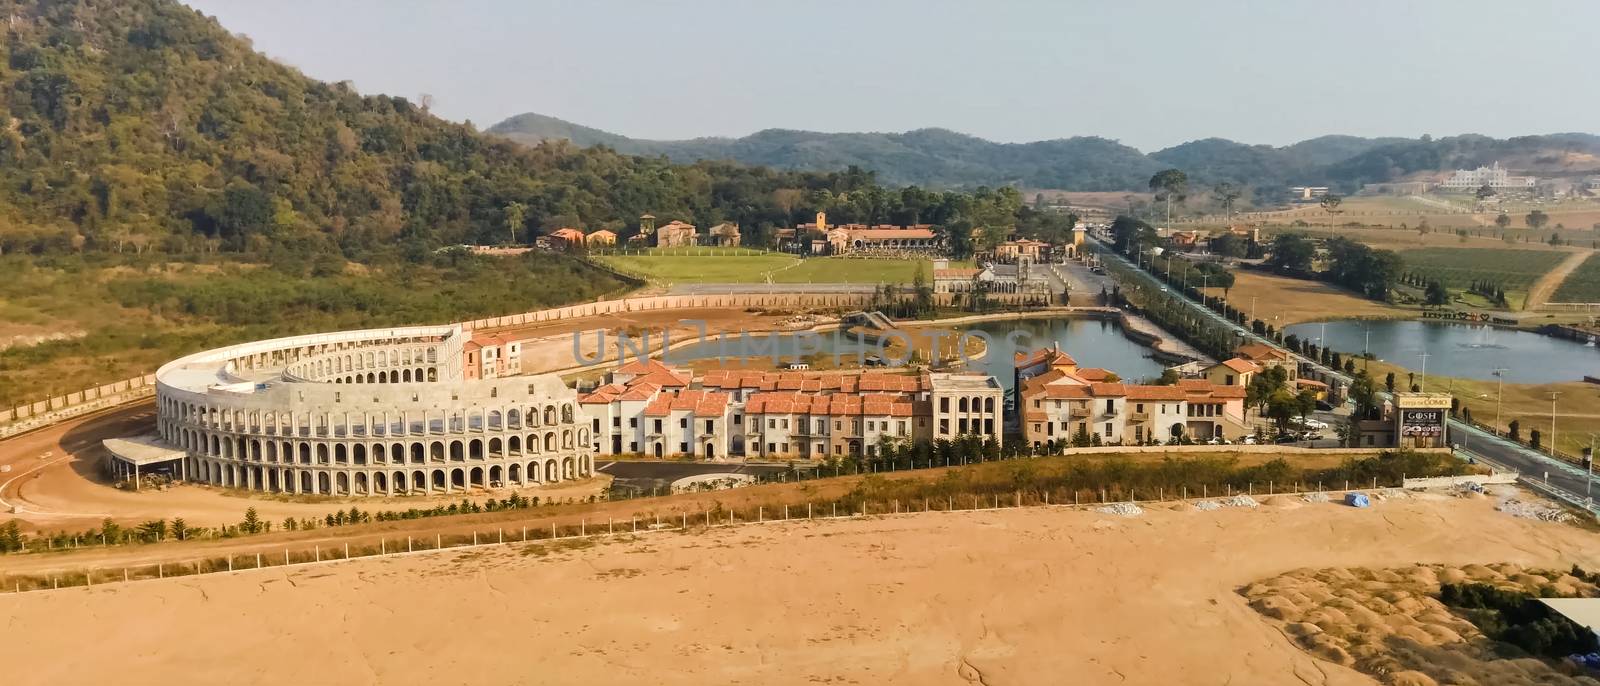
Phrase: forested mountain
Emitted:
{"points": [[928, 157], [941, 158], [142, 124]]}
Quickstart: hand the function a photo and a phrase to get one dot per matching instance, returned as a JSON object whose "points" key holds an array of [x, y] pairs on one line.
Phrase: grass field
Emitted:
{"points": [[724, 267], [1583, 285], [699, 269], [1457, 268], [1281, 301]]}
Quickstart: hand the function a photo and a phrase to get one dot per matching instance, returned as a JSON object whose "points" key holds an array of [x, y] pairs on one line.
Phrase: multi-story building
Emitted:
{"points": [[487, 356], [1494, 176], [652, 409], [1059, 400]]}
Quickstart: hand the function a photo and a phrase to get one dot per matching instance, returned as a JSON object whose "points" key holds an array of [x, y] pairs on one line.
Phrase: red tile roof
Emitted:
{"points": [[1261, 351], [1240, 365], [700, 403], [1051, 356]]}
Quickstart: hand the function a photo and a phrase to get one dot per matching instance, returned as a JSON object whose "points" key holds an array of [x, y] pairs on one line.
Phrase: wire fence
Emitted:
{"points": [[586, 531]]}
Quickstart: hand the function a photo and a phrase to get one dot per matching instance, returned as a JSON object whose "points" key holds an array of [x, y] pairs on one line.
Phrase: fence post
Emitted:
{"points": [[761, 513], [319, 552], [438, 541], [258, 560], [161, 571], [347, 551], [230, 562], [408, 544]]}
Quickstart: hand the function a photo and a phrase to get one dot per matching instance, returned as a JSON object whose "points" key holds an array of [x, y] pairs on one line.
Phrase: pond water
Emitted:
{"points": [[1092, 342], [1470, 351]]}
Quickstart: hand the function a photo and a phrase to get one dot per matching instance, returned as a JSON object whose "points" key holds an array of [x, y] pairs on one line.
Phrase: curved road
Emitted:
{"points": [[1563, 479]]}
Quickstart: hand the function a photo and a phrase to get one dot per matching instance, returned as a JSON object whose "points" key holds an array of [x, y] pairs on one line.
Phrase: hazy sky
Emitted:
{"points": [[1151, 73]]}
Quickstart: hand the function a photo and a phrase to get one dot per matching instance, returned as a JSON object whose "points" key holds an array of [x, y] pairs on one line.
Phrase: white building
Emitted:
{"points": [[1495, 177]]}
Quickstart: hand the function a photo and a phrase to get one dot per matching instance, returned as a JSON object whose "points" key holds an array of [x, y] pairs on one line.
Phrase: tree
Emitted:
{"points": [[1502, 221], [1514, 429], [1225, 193], [180, 529], [921, 291], [1331, 202], [252, 521], [11, 537], [1129, 235], [516, 218], [1485, 192], [1230, 245], [1081, 437], [1436, 294], [1292, 251], [1169, 185], [1536, 219], [1388, 381], [1281, 406]]}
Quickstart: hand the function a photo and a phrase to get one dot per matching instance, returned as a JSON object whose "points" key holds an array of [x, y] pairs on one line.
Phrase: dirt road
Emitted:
{"points": [[994, 597], [1547, 285]]}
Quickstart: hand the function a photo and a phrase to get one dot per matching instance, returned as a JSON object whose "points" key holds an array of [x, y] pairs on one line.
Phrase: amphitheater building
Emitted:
{"points": [[377, 412]]}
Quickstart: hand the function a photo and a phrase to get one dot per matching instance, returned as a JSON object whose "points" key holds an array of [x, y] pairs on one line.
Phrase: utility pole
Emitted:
{"points": [[1553, 396], [1499, 373], [1423, 374]]}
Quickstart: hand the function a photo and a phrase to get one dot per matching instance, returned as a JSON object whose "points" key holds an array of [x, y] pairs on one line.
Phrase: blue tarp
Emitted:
{"points": [[1356, 499]]}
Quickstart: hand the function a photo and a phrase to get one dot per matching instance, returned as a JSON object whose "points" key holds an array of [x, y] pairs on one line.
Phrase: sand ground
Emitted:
{"points": [[1036, 595]]}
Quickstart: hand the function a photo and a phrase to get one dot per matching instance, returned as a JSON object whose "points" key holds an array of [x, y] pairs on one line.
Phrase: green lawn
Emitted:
{"points": [[1457, 268], [1582, 285], [702, 269], [753, 268]]}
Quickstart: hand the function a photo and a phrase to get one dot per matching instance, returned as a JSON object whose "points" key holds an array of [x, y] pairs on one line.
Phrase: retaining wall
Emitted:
{"points": [[42, 413]]}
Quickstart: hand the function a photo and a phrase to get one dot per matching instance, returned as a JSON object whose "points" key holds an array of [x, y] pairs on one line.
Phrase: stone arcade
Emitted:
{"points": [[374, 412]]}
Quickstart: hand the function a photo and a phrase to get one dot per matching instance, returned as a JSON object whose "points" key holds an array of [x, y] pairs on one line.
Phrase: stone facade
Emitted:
{"points": [[375, 412]]}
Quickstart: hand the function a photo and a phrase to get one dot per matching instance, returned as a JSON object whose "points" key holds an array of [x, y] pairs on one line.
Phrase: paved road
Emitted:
{"points": [[1566, 479]]}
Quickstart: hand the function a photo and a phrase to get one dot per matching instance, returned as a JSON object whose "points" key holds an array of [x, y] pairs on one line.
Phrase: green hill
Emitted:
{"points": [[942, 158], [143, 123]]}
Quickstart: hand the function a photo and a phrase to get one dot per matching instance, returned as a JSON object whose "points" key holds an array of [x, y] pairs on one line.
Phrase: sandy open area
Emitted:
{"points": [[1020, 596]]}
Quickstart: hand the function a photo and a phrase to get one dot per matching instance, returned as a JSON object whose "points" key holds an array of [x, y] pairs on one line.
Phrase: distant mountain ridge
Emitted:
{"points": [[943, 158]]}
